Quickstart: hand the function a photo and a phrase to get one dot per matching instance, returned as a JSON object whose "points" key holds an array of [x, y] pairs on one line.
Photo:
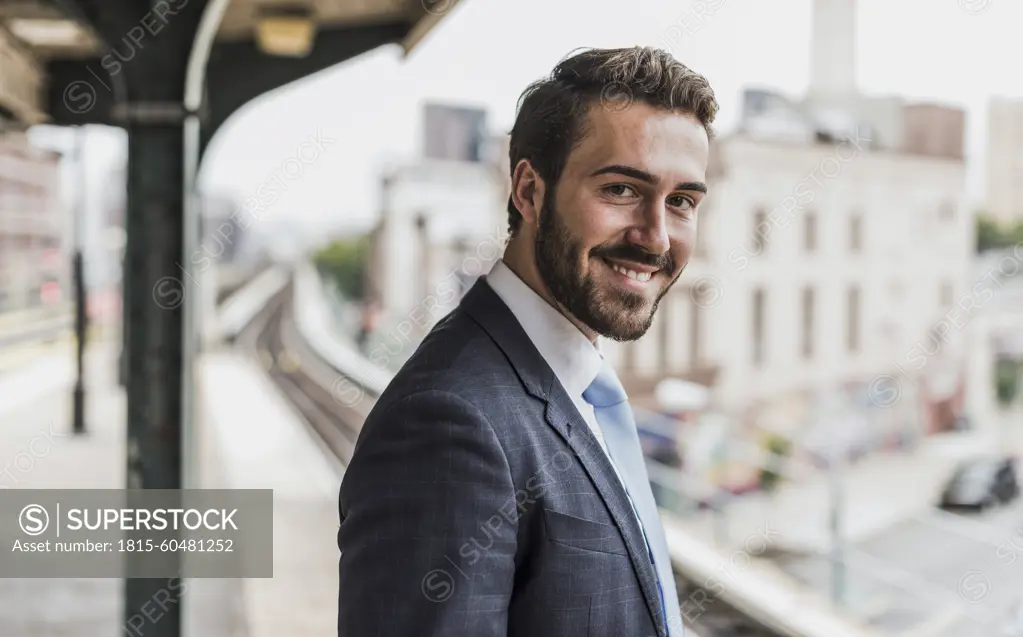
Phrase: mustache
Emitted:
{"points": [[626, 252]]}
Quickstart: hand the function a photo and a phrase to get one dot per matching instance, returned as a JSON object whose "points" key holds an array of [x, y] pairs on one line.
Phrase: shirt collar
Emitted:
{"points": [[573, 358]]}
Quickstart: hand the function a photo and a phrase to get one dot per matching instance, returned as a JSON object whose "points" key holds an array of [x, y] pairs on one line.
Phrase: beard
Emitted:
{"points": [[607, 309]]}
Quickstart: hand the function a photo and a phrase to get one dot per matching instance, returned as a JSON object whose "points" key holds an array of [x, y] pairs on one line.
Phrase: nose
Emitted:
{"points": [[651, 232]]}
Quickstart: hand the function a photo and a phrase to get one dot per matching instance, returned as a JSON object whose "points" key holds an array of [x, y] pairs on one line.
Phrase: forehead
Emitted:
{"points": [[672, 145]]}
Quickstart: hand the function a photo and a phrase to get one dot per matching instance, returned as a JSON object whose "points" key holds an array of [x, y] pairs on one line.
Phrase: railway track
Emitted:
{"points": [[333, 405]]}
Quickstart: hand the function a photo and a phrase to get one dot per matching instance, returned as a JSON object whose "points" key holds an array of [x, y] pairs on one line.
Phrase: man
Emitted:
{"points": [[498, 486]]}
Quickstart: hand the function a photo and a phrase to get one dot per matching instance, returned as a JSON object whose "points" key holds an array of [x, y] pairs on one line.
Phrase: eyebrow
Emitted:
{"points": [[642, 175]]}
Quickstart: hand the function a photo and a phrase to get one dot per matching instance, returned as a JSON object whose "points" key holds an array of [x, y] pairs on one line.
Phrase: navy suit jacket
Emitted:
{"points": [[478, 503]]}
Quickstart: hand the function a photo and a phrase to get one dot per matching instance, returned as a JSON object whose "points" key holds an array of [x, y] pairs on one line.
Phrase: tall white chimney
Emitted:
{"points": [[833, 56]]}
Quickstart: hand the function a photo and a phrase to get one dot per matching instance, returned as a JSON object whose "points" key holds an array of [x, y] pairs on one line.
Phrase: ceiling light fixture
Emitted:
{"points": [[287, 30], [45, 32]]}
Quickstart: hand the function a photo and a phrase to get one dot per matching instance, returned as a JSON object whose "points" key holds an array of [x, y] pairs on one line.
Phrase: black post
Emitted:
{"points": [[155, 293], [78, 274], [78, 422]]}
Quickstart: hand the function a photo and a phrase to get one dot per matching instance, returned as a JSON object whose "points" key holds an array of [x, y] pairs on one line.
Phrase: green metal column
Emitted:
{"points": [[155, 297]]}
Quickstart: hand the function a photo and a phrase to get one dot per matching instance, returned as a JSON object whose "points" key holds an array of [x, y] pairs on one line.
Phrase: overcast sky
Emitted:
{"points": [[485, 52]]}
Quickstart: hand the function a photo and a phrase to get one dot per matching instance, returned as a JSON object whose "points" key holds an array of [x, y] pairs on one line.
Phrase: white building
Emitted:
{"points": [[1005, 160], [34, 237], [443, 221], [443, 224]]}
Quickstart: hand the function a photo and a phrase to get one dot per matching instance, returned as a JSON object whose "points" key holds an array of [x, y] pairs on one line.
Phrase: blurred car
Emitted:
{"points": [[982, 483]]}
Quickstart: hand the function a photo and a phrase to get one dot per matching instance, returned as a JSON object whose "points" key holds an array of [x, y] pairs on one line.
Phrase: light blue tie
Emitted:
{"points": [[614, 415]]}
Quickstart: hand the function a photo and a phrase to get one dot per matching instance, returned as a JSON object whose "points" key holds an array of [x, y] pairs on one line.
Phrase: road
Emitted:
{"points": [[937, 564]]}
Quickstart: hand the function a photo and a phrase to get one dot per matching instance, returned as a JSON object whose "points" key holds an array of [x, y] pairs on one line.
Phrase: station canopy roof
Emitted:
{"points": [[35, 32]]}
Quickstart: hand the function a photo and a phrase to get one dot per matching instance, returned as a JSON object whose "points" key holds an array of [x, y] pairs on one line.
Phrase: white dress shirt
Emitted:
{"points": [[573, 358]]}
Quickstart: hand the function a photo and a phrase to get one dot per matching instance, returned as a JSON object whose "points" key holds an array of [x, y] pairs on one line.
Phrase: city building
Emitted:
{"points": [[457, 133], [833, 51], [224, 237], [34, 239], [1005, 160], [105, 231], [443, 223], [93, 196], [934, 130]]}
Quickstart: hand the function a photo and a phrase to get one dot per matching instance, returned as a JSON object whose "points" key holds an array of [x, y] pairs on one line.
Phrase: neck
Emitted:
{"points": [[522, 262]]}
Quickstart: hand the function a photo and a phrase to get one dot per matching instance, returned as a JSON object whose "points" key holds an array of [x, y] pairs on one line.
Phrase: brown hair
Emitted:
{"points": [[552, 111]]}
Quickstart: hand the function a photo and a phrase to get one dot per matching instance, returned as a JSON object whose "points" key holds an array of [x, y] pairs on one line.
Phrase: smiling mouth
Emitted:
{"points": [[640, 276]]}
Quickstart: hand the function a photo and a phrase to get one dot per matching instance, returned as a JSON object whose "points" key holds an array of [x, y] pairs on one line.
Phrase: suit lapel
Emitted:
{"points": [[562, 414], [488, 310]]}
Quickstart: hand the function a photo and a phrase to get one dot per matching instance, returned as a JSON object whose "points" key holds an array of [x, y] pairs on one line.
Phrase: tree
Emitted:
{"points": [[1007, 380], [778, 449], [346, 260], [992, 236]]}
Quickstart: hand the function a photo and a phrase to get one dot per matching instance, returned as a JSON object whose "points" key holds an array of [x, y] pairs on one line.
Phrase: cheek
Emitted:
{"points": [[594, 224], [684, 241]]}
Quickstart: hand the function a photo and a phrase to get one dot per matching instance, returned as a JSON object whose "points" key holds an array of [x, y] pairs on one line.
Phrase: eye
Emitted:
{"points": [[682, 202], [620, 190]]}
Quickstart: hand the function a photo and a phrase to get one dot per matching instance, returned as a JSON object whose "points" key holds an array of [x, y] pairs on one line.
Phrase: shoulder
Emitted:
{"points": [[456, 362]]}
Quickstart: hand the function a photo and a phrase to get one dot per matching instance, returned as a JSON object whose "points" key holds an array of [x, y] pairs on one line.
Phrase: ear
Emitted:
{"points": [[527, 192]]}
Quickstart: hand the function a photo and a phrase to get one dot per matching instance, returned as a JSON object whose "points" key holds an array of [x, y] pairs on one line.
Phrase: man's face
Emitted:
{"points": [[618, 229]]}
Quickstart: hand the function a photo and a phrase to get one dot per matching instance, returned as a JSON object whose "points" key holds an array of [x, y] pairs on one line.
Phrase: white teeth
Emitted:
{"points": [[632, 274]]}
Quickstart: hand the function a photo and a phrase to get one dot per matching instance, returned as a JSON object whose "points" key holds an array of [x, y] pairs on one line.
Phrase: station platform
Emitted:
{"points": [[246, 438], [14, 319], [252, 438], [15, 357], [38, 451]]}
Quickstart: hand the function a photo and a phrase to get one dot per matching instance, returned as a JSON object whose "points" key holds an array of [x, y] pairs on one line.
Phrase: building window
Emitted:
{"points": [[760, 231], [852, 335], [810, 231], [946, 295], [758, 327], [856, 232], [808, 322]]}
